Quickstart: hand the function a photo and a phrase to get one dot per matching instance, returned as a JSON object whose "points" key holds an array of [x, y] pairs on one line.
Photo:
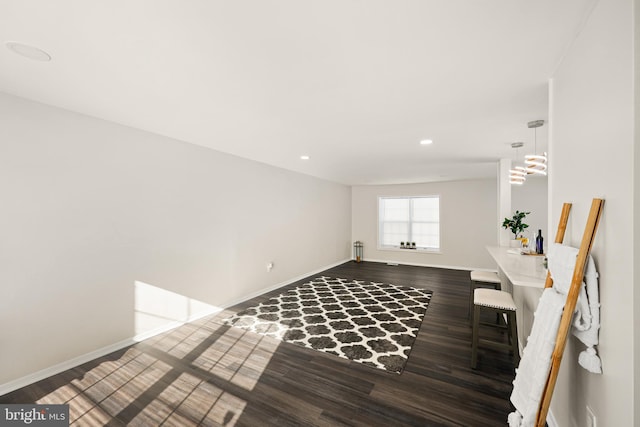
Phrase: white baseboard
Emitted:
{"points": [[61, 367], [174, 324], [449, 267], [95, 354]]}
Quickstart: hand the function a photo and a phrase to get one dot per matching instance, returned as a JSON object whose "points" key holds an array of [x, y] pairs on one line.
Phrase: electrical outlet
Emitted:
{"points": [[269, 266], [591, 418]]}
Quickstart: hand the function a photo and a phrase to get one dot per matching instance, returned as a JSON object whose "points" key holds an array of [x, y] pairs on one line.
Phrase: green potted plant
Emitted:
{"points": [[516, 225]]}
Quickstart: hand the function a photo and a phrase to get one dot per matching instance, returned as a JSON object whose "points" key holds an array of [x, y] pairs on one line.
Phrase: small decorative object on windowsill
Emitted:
{"points": [[408, 245]]}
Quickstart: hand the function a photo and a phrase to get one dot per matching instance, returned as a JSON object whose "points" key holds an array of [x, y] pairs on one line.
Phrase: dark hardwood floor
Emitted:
{"points": [[206, 373]]}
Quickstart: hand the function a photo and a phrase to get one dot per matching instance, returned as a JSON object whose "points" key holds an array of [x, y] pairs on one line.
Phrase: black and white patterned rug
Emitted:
{"points": [[372, 323]]}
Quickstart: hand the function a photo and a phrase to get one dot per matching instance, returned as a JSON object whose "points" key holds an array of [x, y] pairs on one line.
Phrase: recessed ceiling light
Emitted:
{"points": [[27, 51], [304, 157], [426, 142]]}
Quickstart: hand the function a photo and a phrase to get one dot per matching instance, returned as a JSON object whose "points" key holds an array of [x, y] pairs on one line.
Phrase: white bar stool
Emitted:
{"points": [[502, 303], [482, 279]]}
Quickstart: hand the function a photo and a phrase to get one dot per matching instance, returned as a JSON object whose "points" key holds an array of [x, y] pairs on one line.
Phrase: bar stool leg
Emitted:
{"points": [[471, 288], [513, 333], [474, 341]]}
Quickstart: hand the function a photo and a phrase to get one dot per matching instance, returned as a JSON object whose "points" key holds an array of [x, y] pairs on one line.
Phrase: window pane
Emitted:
{"points": [[394, 210], [426, 209], [394, 232], [426, 234]]}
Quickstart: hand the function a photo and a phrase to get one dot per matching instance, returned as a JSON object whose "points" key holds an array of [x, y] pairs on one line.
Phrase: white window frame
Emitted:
{"points": [[397, 247]]}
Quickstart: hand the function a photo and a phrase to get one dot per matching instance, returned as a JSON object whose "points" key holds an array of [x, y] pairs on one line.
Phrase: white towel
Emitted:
{"points": [[532, 373], [586, 321], [561, 261]]}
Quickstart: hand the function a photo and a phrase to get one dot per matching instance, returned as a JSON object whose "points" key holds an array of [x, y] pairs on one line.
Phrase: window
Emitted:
{"points": [[409, 219]]}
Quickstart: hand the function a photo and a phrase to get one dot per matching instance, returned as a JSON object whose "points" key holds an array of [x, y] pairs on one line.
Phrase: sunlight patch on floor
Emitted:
{"points": [[143, 385], [238, 356]]}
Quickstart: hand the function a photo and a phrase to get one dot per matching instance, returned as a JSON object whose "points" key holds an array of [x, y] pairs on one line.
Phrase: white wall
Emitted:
{"points": [[504, 201], [468, 211], [592, 155], [89, 208], [532, 197]]}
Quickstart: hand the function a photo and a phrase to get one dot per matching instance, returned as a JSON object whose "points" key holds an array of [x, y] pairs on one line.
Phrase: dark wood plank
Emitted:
{"points": [[206, 373]]}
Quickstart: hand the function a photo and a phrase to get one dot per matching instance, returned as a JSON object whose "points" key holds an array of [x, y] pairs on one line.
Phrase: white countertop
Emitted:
{"points": [[521, 270]]}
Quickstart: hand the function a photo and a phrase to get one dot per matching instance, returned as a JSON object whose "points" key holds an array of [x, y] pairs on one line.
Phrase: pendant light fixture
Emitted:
{"points": [[517, 175], [536, 164]]}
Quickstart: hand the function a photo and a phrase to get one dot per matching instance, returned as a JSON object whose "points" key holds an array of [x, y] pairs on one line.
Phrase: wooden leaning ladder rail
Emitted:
{"points": [[572, 298]]}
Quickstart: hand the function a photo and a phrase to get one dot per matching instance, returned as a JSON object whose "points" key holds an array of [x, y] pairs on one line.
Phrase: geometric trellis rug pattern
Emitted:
{"points": [[368, 322]]}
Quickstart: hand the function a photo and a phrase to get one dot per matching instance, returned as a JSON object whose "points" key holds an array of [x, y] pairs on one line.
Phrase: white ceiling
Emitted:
{"points": [[354, 84]]}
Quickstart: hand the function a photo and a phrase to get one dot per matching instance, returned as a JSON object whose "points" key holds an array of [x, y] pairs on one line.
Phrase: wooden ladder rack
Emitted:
{"points": [[572, 298]]}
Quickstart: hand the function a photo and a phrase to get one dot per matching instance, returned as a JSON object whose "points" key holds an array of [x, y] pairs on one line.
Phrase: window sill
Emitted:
{"points": [[417, 250]]}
